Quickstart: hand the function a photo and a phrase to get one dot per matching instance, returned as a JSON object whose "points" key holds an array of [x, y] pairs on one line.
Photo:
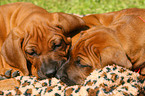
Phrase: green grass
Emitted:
{"points": [[82, 6]]}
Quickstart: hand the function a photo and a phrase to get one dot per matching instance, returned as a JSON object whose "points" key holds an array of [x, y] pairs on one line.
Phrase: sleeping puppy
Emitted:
{"points": [[113, 38], [34, 41]]}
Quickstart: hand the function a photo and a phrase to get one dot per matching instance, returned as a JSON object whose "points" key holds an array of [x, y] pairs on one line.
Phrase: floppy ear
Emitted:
{"points": [[70, 24], [111, 55], [92, 20], [98, 19], [12, 52]]}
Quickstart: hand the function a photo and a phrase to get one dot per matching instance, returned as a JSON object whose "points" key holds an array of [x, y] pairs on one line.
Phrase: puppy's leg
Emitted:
{"points": [[9, 84], [6, 71]]}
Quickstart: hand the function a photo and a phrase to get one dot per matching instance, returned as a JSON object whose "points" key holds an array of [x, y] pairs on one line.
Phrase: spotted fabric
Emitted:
{"points": [[109, 81]]}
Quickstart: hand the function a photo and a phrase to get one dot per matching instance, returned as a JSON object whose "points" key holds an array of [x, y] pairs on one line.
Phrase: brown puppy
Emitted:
{"points": [[32, 40], [117, 37]]}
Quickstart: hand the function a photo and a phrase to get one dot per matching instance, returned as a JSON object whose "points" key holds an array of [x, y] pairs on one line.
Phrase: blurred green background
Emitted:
{"points": [[83, 7]]}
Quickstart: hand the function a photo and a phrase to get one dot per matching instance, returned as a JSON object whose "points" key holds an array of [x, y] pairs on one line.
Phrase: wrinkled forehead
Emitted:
{"points": [[78, 49], [88, 37], [42, 34], [43, 31], [84, 43]]}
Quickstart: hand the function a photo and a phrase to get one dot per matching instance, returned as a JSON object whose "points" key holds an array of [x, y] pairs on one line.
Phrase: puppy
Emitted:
{"points": [[34, 41], [113, 38]]}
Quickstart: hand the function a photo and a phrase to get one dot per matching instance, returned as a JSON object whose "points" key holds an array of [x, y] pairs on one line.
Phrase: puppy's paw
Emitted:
{"points": [[9, 74], [15, 74], [3, 78]]}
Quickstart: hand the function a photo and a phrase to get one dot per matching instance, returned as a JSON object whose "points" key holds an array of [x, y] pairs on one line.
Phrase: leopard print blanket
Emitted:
{"points": [[109, 81]]}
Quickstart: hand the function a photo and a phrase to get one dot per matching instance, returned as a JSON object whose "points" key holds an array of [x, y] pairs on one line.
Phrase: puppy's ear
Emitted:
{"points": [[92, 20], [111, 55], [12, 52], [70, 24], [98, 19]]}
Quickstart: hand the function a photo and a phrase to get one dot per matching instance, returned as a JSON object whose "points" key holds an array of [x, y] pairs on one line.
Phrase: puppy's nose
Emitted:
{"points": [[50, 73], [60, 75]]}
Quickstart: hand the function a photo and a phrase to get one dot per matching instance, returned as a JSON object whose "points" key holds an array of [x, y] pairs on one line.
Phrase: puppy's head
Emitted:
{"points": [[45, 52], [39, 45], [96, 49]]}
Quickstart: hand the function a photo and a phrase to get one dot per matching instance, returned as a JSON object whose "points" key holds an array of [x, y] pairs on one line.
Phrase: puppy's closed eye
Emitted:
{"points": [[56, 44], [79, 64], [31, 51]]}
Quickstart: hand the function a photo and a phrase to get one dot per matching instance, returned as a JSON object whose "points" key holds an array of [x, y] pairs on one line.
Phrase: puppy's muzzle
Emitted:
{"points": [[46, 72], [63, 76], [48, 69]]}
